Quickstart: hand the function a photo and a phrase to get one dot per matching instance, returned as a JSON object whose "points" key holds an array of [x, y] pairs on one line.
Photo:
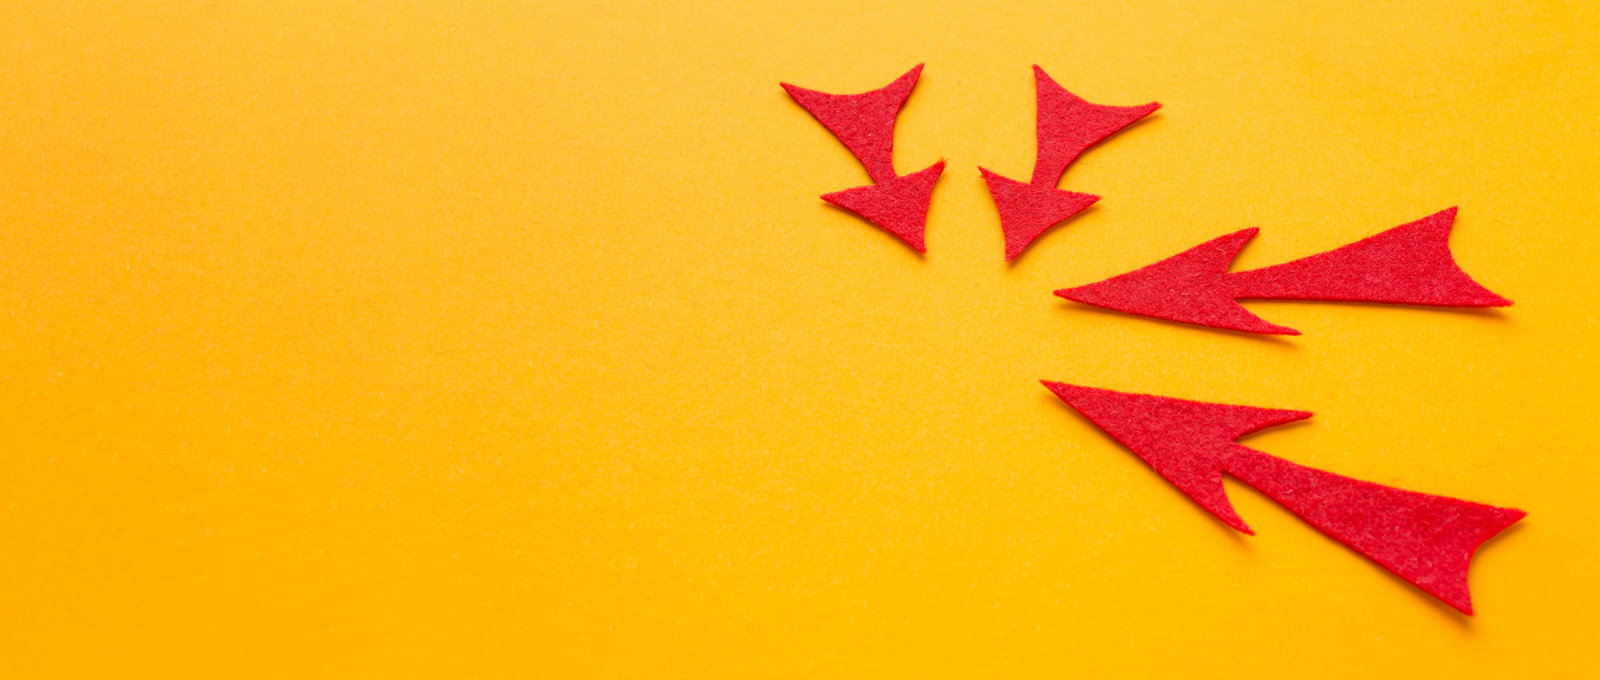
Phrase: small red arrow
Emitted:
{"points": [[1424, 539], [865, 124], [1066, 126], [1410, 264]]}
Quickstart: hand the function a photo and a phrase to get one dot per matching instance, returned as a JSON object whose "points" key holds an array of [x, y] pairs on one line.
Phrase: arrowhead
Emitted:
{"points": [[863, 122], [1187, 442], [1191, 287], [1026, 210], [899, 205]]}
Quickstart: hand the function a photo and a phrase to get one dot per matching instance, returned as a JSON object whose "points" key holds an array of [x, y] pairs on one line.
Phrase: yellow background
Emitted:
{"points": [[512, 339]]}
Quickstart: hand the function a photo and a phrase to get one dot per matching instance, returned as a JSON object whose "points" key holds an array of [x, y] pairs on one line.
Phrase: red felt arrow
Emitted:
{"points": [[1066, 127], [1424, 539], [865, 124], [1410, 264]]}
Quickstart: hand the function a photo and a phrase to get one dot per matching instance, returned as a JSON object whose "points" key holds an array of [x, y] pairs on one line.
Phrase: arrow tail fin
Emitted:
{"points": [[863, 122], [1426, 540], [1409, 264]]}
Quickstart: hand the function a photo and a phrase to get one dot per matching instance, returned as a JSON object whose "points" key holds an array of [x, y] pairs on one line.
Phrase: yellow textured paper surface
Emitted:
{"points": [[480, 339]]}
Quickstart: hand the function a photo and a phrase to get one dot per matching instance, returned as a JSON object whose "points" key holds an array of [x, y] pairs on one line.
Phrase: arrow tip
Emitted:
{"points": [[1191, 287], [899, 206]]}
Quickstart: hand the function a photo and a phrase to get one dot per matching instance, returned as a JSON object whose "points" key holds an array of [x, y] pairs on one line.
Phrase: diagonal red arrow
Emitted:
{"points": [[865, 124], [1066, 127], [1410, 264], [1424, 539]]}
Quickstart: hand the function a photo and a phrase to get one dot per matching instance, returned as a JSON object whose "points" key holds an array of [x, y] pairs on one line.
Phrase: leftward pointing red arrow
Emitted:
{"points": [[1424, 539], [1410, 264]]}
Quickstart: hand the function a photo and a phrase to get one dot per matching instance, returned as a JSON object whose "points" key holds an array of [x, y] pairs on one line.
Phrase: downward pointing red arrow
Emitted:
{"points": [[1409, 264], [1066, 126], [1426, 540], [865, 124]]}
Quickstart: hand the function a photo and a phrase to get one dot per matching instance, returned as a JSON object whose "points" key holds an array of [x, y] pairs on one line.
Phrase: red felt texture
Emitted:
{"points": [[1066, 127], [900, 205], [1426, 540], [865, 124], [1409, 264], [1026, 210]]}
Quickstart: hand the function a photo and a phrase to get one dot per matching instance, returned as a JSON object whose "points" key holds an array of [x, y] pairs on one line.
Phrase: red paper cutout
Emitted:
{"points": [[1426, 540], [1066, 126], [1410, 264], [865, 124]]}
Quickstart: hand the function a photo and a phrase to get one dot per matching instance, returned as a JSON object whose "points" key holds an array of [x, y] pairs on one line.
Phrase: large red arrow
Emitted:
{"points": [[865, 124], [1427, 540], [1066, 126], [1410, 264]]}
